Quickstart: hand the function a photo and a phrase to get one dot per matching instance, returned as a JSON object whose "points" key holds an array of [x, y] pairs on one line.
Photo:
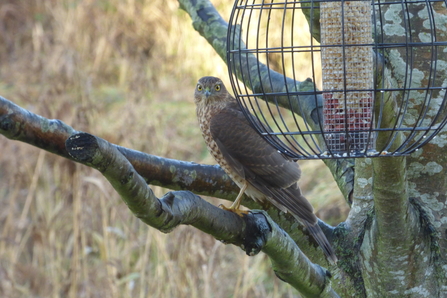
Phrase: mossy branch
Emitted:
{"points": [[254, 232], [19, 124], [124, 168], [395, 223]]}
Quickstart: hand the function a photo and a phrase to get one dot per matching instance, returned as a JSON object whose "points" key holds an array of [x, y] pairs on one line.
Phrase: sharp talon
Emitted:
{"points": [[238, 211]]}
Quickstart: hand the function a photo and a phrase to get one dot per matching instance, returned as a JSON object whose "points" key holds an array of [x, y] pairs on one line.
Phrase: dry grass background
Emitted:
{"points": [[125, 71]]}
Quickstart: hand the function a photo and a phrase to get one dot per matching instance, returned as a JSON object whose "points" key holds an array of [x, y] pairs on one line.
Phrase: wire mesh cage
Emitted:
{"points": [[335, 79]]}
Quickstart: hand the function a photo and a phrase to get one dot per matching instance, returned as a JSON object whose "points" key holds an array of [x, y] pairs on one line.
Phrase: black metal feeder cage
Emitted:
{"points": [[336, 79]]}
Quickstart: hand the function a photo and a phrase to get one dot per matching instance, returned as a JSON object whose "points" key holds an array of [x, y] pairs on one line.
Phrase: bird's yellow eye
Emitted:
{"points": [[217, 87], [199, 87]]}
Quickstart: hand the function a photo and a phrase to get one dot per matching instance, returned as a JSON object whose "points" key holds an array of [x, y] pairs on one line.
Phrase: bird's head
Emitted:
{"points": [[210, 91]]}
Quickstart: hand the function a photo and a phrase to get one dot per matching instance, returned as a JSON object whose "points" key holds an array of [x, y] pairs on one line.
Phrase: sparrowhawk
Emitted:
{"points": [[261, 172]]}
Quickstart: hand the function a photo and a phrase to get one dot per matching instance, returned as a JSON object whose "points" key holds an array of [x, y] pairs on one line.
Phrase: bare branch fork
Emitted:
{"points": [[254, 233]]}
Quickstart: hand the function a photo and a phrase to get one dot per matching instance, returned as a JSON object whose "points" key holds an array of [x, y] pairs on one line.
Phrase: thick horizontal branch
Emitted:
{"points": [[19, 124], [253, 232], [165, 214]]}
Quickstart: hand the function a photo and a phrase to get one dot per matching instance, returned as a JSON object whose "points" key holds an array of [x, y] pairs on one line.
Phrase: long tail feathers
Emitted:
{"points": [[317, 233], [292, 200]]}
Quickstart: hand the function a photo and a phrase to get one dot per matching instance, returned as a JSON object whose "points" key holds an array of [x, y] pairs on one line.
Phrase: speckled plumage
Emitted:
{"points": [[248, 159]]}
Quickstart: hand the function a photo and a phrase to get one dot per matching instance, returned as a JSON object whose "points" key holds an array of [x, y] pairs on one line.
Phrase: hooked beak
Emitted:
{"points": [[207, 93]]}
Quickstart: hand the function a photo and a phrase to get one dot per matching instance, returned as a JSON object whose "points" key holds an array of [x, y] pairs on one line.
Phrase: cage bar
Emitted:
{"points": [[369, 104]]}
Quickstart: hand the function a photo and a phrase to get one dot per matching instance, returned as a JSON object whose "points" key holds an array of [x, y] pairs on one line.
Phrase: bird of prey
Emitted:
{"points": [[252, 163]]}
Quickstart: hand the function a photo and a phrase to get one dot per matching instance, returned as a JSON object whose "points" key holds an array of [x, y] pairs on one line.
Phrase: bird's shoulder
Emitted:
{"points": [[240, 142], [228, 118]]}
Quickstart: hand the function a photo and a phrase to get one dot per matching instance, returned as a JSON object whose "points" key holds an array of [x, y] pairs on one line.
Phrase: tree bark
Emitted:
{"points": [[253, 232], [121, 166]]}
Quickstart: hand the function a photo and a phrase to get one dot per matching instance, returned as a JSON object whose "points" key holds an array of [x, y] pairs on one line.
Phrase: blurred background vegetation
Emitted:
{"points": [[124, 71]]}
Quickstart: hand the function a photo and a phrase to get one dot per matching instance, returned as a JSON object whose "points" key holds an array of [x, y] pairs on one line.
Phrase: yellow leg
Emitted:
{"points": [[237, 203]]}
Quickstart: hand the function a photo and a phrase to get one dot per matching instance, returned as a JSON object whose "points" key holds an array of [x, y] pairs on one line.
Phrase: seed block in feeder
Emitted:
{"points": [[347, 63]]}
